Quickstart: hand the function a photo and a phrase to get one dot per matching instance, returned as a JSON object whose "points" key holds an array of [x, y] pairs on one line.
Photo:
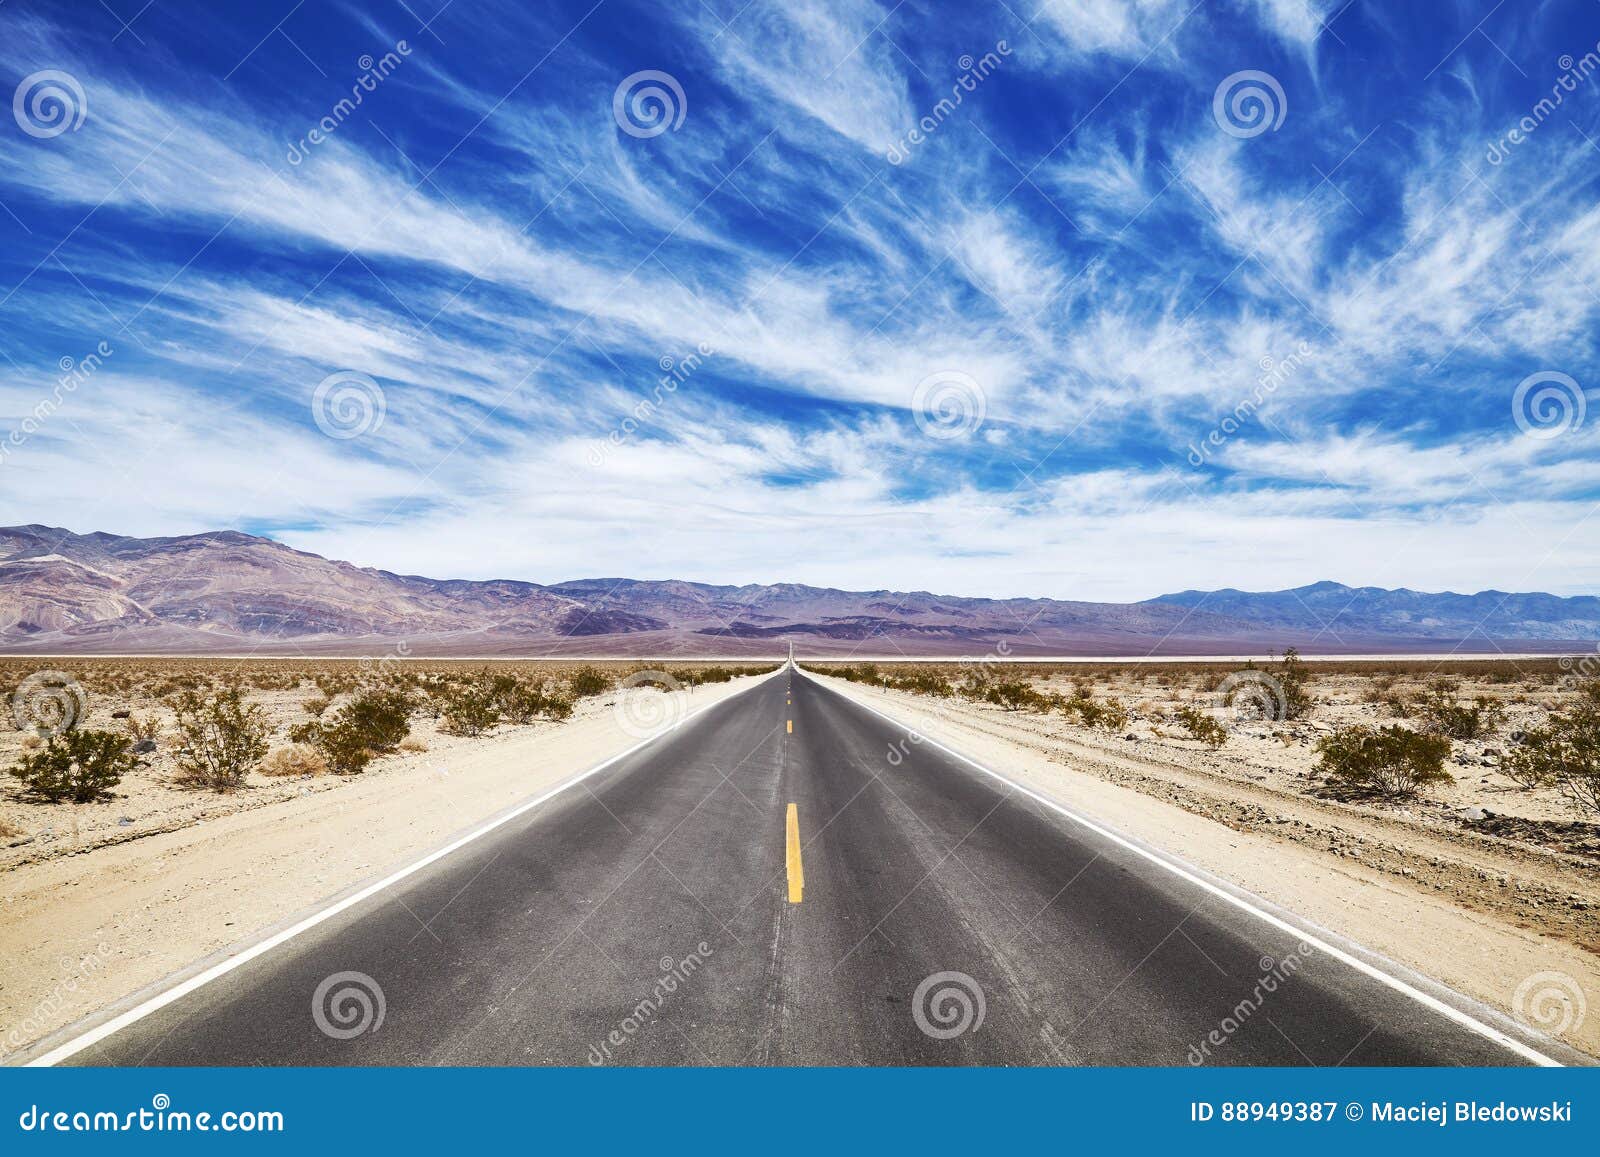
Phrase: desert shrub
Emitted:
{"points": [[469, 710], [1441, 714], [316, 705], [1378, 689], [1564, 753], [77, 765], [1201, 726], [1392, 760], [586, 681], [142, 727], [372, 723], [413, 745], [1398, 705], [1015, 695], [294, 760], [1295, 680], [523, 700], [1110, 714], [222, 736]]}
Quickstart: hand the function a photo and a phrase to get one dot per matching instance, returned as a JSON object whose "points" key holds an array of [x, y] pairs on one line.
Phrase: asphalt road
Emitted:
{"points": [[772, 883]]}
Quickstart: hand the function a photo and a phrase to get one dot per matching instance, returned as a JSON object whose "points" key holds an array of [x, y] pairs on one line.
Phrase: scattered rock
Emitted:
{"points": [[1471, 814], [123, 821], [144, 747]]}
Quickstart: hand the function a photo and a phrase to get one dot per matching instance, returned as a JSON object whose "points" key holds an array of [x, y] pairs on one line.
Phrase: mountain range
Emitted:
{"points": [[234, 593]]}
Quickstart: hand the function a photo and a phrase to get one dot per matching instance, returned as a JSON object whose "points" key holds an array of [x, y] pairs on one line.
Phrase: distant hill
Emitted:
{"points": [[1334, 608], [228, 592]]}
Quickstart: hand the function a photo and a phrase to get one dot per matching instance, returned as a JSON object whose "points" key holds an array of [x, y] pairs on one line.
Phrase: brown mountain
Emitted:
{"points": [[236, 593]]}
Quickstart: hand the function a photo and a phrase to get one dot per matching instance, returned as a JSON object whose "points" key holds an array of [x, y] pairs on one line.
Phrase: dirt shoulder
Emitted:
{"points": [[84, 931], [1481, 914]]}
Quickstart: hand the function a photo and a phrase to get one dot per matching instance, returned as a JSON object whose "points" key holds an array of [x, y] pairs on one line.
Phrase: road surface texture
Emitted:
{"points": [[790, 878]]}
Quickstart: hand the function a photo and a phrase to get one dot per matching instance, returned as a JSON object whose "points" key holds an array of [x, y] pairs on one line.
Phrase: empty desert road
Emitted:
{"points": [[771, 883]]}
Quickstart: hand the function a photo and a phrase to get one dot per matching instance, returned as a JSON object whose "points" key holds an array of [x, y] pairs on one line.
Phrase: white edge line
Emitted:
{"points": [[95, 1035], [1432, 1002]]}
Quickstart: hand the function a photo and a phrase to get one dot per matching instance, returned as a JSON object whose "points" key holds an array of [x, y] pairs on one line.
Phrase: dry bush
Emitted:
{"points": [[1201, 726], [78, 765], [143, 727], [1564, 753], [1391, 761], [316, 705], [223, 738], [294, 760], [413, 745]]}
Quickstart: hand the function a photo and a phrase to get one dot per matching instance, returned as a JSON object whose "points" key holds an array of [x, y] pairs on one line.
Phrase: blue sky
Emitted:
{"points": [[1237, 293]]}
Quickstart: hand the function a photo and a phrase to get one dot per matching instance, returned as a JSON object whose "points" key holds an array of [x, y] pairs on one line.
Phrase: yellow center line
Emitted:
{"points": [[791, 727], [797, 872]]}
